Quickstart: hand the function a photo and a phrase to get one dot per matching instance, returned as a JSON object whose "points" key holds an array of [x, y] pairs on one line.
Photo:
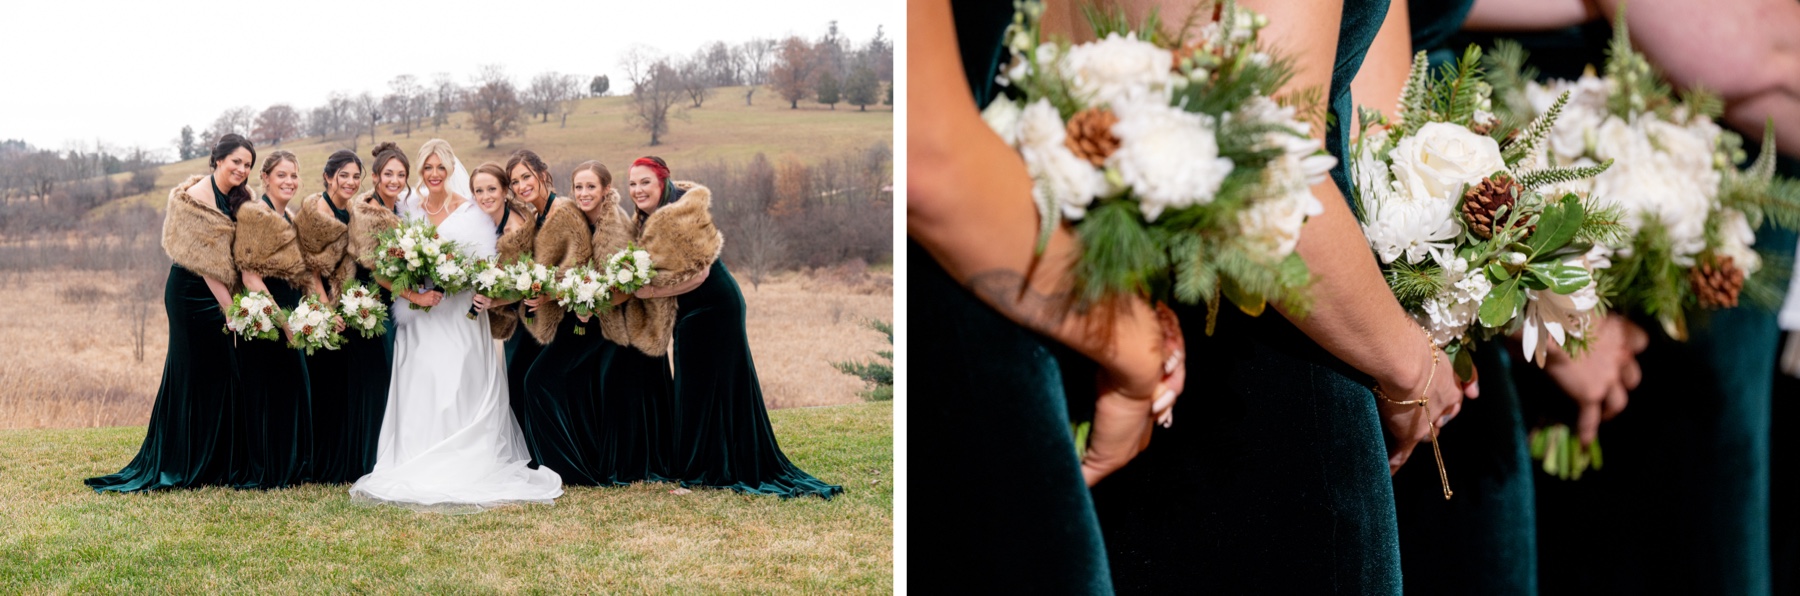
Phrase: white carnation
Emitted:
{"points": [[1448, 315], [1108, 71], [1061, 178], [1003, 116]]}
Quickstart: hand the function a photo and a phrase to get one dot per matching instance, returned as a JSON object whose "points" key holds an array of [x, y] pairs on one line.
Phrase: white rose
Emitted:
{"points": [[1273, 225], [642, 258], [1108, 71], [1440, 158], [1060, 178], [1169, 157], [623, 277]]}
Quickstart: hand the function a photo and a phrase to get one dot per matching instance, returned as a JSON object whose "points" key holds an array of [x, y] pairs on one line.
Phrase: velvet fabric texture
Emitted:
{"points": [[191, 440], [594, 409], [349, 392], [724, 438], [274, 405], [1484, 540], [1273, 478], [521, 351], [994, 394]]}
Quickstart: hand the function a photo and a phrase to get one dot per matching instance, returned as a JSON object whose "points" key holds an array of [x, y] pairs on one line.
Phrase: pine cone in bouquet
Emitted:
{"points": [[1483, 200], [1717, 281], [1090, 135]]}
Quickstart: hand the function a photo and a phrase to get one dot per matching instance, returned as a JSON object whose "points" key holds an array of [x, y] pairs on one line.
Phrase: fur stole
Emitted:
{"points": [[682, 243], [514, 242], [562, 242], [324, 243], [612, 233], [368, 218], [197, 236], [266, 244]]}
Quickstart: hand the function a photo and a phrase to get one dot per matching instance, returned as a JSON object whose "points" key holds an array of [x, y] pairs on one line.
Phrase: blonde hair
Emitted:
{"points": [[440, 148], [274, 160]]}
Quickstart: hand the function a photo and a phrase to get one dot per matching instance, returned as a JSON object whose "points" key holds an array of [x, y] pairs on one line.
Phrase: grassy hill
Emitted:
{"points": [[58, 536], [722, 129]]}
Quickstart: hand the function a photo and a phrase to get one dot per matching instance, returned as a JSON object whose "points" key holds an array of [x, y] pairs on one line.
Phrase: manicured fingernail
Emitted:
{"points": [[1169, 365]]}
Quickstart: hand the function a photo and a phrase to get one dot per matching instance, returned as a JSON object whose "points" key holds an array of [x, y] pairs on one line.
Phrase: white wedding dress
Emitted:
{"points": [[449, 441]]}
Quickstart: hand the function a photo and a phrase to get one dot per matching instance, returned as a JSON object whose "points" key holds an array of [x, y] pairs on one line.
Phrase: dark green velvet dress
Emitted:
{"points": [[275, 411], [521, 351], [192, 439], [723, 438], [350, 391], [1682, 506], [986, 391], [1274, 477], [592, 405], [1483, 541]]}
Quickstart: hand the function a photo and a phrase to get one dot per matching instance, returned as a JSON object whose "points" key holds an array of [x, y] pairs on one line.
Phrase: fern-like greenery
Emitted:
{"points": [[1536, 179], [1414, 284], [1509, 74], [1534, 135]]}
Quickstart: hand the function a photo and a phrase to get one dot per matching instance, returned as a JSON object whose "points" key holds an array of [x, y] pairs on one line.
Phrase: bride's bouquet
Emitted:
{"points": [[629, 269], [487, 278], [254, 315], [584, 291], [451, 273], [362, 309], [406, 256], [1473, 241], [311, 326], [1182, 174], [1689, 214]]}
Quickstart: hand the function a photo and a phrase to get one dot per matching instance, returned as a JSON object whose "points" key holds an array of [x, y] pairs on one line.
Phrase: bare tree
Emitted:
{"points": [[343, 115], [762, 245], [494, 106], [792, 75], [237, 120], [723, 66], [367, 110], [402, 101], [754, 57], [571, 99], [654, 98], [277, 123], [696, 81], [541, 96], [444, 94]]}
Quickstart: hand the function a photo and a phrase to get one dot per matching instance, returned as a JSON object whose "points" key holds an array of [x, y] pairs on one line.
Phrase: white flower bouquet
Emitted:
{"points": [[1689, 214], [254, 315], [584, 291], [312, 326], [407, 255], [1182, 176], [629, 269], [1474, 244], [528, 279], [487, 278], [362, 309]]}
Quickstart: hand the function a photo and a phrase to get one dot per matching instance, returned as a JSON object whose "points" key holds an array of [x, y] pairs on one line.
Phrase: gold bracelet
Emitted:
{"points": [[1424, 401]]}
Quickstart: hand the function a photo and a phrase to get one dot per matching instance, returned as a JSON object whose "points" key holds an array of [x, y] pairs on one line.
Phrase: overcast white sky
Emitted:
{"points": [[125, 72]]}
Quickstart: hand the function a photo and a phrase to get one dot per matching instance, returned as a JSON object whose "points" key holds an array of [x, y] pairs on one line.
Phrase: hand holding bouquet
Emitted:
{"points": [[529, 280], [584, 291], [254, 315], [311, 326], [362, 309], [406, 256], [629, 269]]}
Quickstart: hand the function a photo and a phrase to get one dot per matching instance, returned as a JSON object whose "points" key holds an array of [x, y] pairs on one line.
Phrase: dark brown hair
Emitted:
{"points": [[592, 165], [492, 169], [385, 151], [226, 146], [531, 160]]}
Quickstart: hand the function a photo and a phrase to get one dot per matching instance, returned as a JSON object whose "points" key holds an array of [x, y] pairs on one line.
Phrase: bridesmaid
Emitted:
{"points": [[191, 440], [530, 180], [515, 228], [723, 436], [587, 396], [274, 401], [371, 370], [349, 385]]}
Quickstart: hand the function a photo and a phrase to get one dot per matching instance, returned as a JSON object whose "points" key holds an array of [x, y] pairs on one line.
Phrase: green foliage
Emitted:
{"points": [[1640, 87], [1540, 178], [1561, 453], [1647, 280], [1119, 255], [1460, 91], [1112, 19], [1557, 225], [1414, 284], [880, 376], [1415, 109], [1508, 74], [1533, 135]]}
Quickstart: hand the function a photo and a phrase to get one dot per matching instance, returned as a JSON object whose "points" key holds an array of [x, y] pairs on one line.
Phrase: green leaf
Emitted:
{"points": [[1538, 443], [1557, 225], [1498, 272], [1594, 452], [1560, 277], [1251, 304], [1502, 304], [1080, 430], [1462, 362], [1533, 280]]}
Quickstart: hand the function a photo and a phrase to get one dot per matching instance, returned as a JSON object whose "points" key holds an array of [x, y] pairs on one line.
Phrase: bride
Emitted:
{"points": [[449, 441]]}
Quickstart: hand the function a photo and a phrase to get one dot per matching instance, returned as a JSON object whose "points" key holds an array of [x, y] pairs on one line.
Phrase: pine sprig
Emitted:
{"points": [[1534, 135], [1509, 75], [1414, 284], [1460, 89], [1604, 225], [1536, 179], [1110, 20]]}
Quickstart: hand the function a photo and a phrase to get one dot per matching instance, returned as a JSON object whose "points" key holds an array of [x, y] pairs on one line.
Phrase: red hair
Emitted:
{"points": [[655, 165]]}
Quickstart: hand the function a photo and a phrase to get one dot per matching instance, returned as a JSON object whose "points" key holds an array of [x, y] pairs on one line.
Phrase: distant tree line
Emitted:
{"points": [[40, 186]]}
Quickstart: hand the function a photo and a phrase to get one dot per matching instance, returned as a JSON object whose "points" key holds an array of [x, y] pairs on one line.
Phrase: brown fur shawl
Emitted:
{"points": [[198, 236], [324, 243], [682, 243], [613, 233], [563, 242], [513, 243], [266, 244], [368, 218]]}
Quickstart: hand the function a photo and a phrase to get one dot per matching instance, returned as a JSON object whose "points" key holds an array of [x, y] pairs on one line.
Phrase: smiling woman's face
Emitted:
{"points": [[283, 181], [489, 195], [433, 172], [392, 180], [526, 184], [232, 171], [646, 189], [343, 185], [588, 190]]}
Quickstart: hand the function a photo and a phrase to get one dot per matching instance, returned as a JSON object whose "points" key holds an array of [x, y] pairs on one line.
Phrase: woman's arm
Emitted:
{"points": [[969, 204], [220, 292], [1529, 15], [674, 290]]}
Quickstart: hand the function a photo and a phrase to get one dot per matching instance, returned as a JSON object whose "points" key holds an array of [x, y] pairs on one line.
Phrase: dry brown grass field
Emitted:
{"points": [[722, 129], [66, 352]]}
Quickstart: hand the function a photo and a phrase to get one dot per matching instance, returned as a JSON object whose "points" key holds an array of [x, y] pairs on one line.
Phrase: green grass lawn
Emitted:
{"points": [[56, 535]]}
